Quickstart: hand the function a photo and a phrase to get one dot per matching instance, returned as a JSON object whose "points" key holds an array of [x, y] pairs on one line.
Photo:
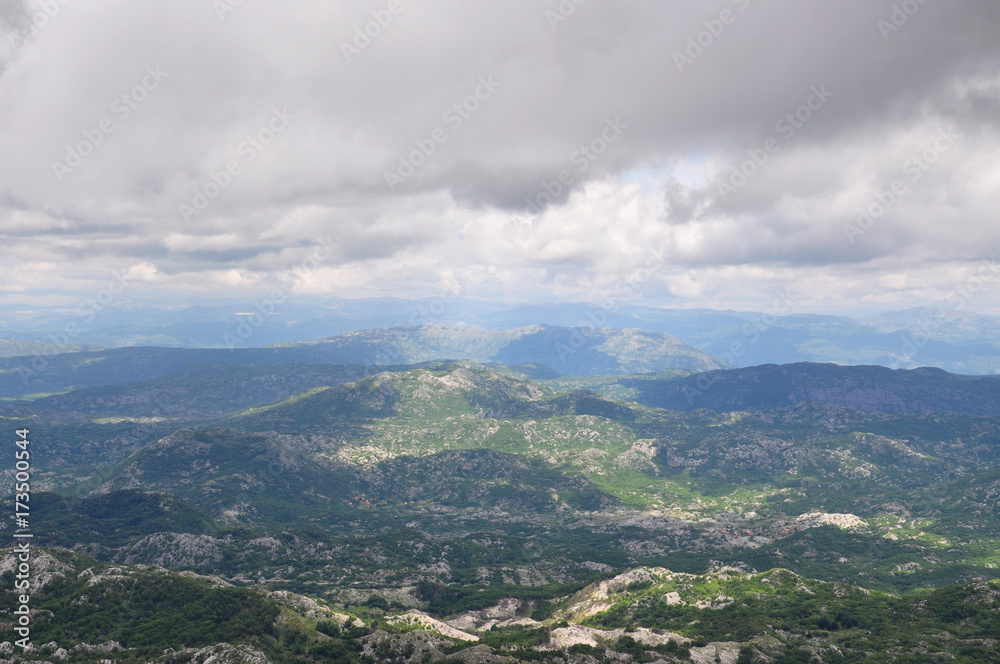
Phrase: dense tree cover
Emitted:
{"points": [[147, 612], [447, 600], [115, 518]]}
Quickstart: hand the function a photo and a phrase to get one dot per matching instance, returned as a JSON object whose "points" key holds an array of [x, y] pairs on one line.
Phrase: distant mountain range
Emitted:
{"points": [[957, 341], [562, 350], [568, 351], [864, 387]]}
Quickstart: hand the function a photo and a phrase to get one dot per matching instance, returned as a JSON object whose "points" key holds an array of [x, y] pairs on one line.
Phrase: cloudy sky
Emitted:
{"points": [[712, 152]]}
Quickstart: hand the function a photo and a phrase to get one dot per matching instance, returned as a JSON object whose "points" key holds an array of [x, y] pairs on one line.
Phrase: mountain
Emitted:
{"points": [[456, 511], [429, 448], [563, 349], [726, 613], [234, 475], [566, 350], [19, 347], [115, 518], [862, 387], [38, 376], [778, 333], [192, 393]]}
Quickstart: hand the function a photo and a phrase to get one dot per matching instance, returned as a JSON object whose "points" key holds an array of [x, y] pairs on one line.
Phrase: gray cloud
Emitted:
{"points": [[417, 88]]}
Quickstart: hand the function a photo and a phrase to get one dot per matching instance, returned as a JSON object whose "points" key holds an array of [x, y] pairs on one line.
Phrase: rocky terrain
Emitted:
{"points": [[455, 511]]}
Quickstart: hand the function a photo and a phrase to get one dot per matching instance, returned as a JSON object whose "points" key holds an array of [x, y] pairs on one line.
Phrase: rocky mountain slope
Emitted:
{"points": [[454, 511], [88, 611]]}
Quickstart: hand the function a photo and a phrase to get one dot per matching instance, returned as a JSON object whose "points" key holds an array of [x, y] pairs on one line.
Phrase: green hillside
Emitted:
{"points": [[87, 611], [577, 525]]}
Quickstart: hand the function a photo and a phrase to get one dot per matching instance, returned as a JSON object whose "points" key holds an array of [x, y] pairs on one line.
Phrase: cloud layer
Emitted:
{"points": [[526, 151]]}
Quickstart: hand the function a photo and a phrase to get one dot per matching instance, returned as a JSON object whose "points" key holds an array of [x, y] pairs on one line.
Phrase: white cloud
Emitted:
{"points": [[656, 186]]}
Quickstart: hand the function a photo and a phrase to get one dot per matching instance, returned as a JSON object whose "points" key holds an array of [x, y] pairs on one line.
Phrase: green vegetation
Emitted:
{"points": [[846, 624], [326, 503], [146, 611], [446, 600]]}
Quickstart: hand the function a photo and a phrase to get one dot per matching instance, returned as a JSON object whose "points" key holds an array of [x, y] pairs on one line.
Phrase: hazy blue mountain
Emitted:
{"points": [[58, 373], [862, 387], [565, 350], [196, 392], [957, 341]]}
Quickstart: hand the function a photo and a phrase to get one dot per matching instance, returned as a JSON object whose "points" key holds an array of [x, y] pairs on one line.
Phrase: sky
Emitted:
{"points": [[668, 153]]}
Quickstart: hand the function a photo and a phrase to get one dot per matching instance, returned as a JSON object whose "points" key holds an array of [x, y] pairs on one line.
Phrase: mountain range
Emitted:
{"points": [[562, 350], [859, 387], [409, 509], [953, 339]]}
